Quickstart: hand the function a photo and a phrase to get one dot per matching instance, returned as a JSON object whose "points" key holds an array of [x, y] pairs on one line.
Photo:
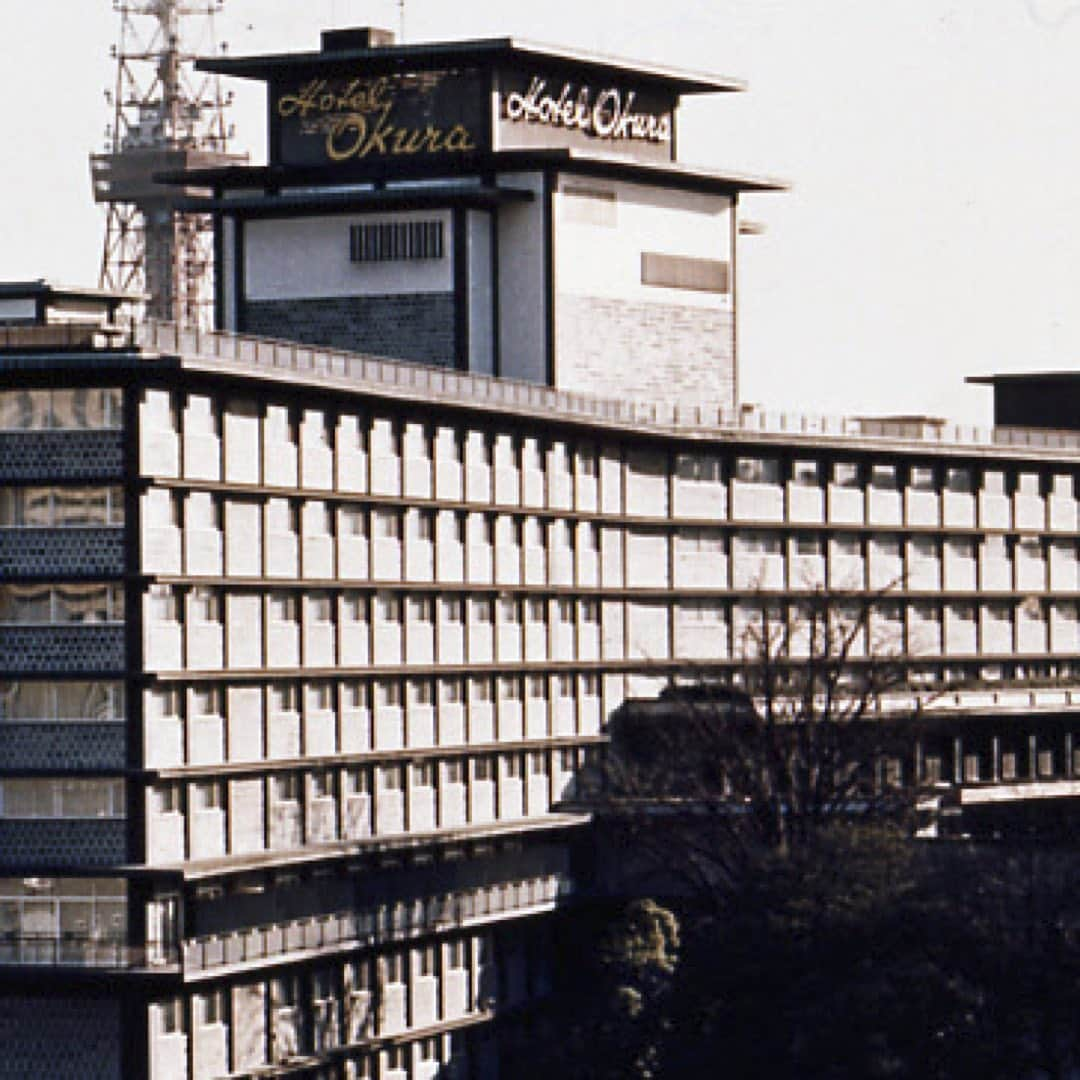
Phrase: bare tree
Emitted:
{"points": [[809, 724]]}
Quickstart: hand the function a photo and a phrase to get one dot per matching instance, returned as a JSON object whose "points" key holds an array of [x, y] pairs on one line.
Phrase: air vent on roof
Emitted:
{"points": [[356, 37]]}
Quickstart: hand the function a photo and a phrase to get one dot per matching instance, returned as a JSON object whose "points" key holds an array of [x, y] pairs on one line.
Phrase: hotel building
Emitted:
{"points": [[308, 624]]}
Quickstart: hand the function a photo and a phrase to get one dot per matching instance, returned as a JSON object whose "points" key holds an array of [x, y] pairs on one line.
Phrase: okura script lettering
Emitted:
{"points": [[357, 121], [608, 115]]}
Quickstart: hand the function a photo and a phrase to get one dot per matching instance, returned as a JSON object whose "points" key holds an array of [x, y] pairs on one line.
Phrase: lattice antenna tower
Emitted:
{"points": [[166, 118]]}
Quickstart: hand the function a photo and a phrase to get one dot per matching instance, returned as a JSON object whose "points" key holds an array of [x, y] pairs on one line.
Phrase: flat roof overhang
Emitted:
{"points": [[485, 52], [673, 174], [472, 197]]}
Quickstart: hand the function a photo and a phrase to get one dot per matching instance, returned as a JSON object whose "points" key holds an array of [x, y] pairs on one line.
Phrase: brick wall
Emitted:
{"points": [[413, 326], [651, 352]]}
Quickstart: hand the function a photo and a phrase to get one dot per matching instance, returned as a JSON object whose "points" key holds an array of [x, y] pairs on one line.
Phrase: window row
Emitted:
{"points": [[62, 797], [291, 1015], [287, 811], [32, 700], [75, 409], [881, 475], [25, 605], [72, 908], [61, 507], [242, 441], [206, 726], [209, 630]]}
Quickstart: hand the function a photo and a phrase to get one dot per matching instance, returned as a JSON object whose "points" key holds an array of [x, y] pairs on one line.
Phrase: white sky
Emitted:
{"points": [[933, 229]]}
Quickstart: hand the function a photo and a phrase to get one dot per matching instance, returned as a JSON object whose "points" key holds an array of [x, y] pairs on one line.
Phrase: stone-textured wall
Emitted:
{"points": [[49, 745], [34, 843], [47, 553], [62, 649], [60, 1038], [61, 455], [647, 352], [412, 326]]}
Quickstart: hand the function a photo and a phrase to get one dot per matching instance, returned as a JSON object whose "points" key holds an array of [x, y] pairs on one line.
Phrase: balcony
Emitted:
{"points": [[374, 925], [47, 950]]}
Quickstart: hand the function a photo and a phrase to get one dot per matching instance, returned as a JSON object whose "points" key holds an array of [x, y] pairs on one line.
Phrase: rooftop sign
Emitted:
{"points": [[545, 111], [335, 119]]}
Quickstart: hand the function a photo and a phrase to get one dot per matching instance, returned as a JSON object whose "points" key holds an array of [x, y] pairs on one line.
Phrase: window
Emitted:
{"points": [[884, 477], [699, 468], [757, 470], [207, 795], [395, 241], [453, 609], [586, 461], [509, 688], [993, 482], [205, 701], [425, 960], [387, 524], [281, 607], [282, 698], [388, 607], [921, 478], [483, 610], [166, 798], [805, 473], [958, 480], [393, 777], [512, 766], [55, 797], [85, 409], [52, 604], [424, 774], [172, 1016], [357, 781], [483, 768], [845, 474], [425, 525], [353, 522], [61, 507], [388, 693], [204, 606], [322, 784], [77, 700], [1027, 483], [421, 609], [421, 692], [455, 955], [286, 788], [320, 697], [681, 272], [454, 771], [480, 691], [453, 691], [808, 545]]}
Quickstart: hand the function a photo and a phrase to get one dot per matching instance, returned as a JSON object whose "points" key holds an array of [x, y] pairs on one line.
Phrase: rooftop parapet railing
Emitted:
{"points": [[224, 350]]}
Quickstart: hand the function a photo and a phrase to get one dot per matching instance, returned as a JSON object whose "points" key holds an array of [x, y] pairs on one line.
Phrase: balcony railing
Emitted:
{"points": [[412, 380], [382, 924], [47, 950]]}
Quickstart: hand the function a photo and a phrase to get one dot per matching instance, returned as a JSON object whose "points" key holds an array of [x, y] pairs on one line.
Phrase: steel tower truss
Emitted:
{"points": [[166, 118]]}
